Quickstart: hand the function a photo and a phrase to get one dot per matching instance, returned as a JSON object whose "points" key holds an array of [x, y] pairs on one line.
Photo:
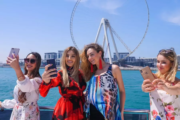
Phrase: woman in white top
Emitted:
{"points": [[164, 91], [26, 92]]}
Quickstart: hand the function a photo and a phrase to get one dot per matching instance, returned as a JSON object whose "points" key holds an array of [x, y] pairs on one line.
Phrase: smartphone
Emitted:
{"points": [[147, 74], [15, 51], [52, 61]]}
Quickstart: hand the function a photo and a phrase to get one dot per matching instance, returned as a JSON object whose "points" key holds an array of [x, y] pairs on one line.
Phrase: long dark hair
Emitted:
{"points": [[85, 64], [34, 73]]}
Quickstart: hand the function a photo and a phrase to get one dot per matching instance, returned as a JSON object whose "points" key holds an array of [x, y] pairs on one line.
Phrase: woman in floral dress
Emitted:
{"points": [[164, 91], [26, 92], [71, 86]]}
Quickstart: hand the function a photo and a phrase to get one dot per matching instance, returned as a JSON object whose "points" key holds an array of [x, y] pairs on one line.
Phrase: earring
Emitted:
{"points": [[91, 68], [100, 64]]}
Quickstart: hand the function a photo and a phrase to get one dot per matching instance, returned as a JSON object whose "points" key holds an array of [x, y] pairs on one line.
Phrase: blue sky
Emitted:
{"points": [[43, 25]]}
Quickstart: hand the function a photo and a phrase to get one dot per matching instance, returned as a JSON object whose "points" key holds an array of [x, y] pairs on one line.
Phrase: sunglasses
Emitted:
{"points": [[27, 60], [166, 50]]}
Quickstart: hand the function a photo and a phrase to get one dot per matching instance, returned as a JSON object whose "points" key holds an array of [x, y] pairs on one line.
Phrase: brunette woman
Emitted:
{"points": [[71, 86], [26, 92], [102, 91]]}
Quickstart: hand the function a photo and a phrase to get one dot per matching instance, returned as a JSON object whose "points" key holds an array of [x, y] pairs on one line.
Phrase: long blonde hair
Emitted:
{"points": [[172, 57], [75, 71], [85, 64]]}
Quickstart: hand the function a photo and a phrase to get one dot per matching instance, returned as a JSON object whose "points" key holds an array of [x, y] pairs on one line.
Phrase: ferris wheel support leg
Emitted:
{"points": [[104, 40], [108, 47], [113, 41], [97, 36]]}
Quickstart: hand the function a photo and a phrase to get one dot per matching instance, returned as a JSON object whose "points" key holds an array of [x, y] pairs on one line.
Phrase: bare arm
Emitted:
{"points": [[14, 63], [173, 90], [118, 76]]}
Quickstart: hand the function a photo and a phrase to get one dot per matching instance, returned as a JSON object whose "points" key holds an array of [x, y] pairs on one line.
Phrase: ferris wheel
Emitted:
{"points": [[105, 23]]}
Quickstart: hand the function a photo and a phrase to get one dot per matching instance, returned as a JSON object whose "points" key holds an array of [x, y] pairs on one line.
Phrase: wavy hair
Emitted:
{"points": [[75, 71], [172, 57], [85, 64], [34, 73]]}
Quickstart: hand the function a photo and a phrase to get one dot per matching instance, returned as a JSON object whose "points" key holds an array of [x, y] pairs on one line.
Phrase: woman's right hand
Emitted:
{"points": [[46, 76], [147, 86]]}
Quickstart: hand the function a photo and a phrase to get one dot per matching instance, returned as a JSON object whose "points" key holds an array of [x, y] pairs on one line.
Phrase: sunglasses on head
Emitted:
{"points": [[166, 50], [27, 60]]}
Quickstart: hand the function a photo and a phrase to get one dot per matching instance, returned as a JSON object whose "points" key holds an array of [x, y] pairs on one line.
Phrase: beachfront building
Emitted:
{"points": [[121, 55], [130, 59], [50, 55], [178, 57], [151, 62], [107, 60], [60, 53]]}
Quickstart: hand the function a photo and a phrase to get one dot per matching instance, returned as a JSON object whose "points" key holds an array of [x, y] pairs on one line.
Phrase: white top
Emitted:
{"points": [[30, 86], [164, 106]]}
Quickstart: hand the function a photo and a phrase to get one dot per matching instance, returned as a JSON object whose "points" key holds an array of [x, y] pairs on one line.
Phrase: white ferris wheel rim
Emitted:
{"points": [[72, 35]]}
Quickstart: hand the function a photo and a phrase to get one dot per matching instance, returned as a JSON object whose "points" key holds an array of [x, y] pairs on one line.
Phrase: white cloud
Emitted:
{"points": [[172, 17], [109, 6]]}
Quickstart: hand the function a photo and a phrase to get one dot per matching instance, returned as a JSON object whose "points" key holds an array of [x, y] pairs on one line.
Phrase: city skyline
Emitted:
{"points": [[43, 26]]}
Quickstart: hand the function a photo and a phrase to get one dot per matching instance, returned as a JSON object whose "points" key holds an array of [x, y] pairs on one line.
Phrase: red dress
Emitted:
{"points": [[70, 105]]}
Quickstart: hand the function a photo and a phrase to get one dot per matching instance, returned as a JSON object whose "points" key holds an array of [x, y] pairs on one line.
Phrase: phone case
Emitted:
{"points": [[147, 74], [15, 51], [52, 61]]}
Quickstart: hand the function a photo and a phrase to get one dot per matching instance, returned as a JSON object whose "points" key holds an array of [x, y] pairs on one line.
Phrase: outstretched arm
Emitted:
{"points": [[14, 63], [8, 104], [117, 74], [173, 90], [49, 82]]}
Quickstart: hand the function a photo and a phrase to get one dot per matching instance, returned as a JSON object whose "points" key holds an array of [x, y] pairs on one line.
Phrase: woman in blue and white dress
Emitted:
{"points": [[102, 100], [26, 92]]}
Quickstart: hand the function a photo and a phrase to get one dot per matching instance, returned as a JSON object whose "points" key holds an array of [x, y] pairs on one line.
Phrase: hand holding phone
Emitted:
{"points": [[13, 59], [53, 66], [14, 51], [147, 74]]}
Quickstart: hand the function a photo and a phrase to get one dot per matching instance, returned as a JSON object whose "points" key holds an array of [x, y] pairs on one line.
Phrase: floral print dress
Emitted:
{"points": [[29, 110], [164, 106]]}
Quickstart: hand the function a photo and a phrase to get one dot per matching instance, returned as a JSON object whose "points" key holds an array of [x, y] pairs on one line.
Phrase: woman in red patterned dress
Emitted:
{"points": [[71, 86]]}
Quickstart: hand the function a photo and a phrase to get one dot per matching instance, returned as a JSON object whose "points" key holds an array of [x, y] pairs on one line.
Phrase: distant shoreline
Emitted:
{"points": [[121, 68]]}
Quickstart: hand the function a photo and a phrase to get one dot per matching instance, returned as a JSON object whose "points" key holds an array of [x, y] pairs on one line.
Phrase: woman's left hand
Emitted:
{"points": [[160, 84], [13, 62]]}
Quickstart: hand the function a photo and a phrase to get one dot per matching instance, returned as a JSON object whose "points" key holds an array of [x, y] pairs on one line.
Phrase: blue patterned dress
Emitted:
{"points": [[102, 92]]}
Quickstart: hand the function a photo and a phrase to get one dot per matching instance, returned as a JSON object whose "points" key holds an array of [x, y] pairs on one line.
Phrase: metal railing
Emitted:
{"points": [[129, 114]]}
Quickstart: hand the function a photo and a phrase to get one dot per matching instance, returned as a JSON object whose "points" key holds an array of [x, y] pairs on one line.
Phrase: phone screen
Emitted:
{"points": [[15, 51], [52, 61]]}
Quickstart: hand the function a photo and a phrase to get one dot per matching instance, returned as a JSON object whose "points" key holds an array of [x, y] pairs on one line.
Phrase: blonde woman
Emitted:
{"points": [[164, 91], [71, 86]]}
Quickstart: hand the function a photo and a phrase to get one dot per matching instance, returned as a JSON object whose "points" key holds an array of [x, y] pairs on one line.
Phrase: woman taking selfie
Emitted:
{"points": [[71, 86], [164, 91], [26, 92], [102, 91]]}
